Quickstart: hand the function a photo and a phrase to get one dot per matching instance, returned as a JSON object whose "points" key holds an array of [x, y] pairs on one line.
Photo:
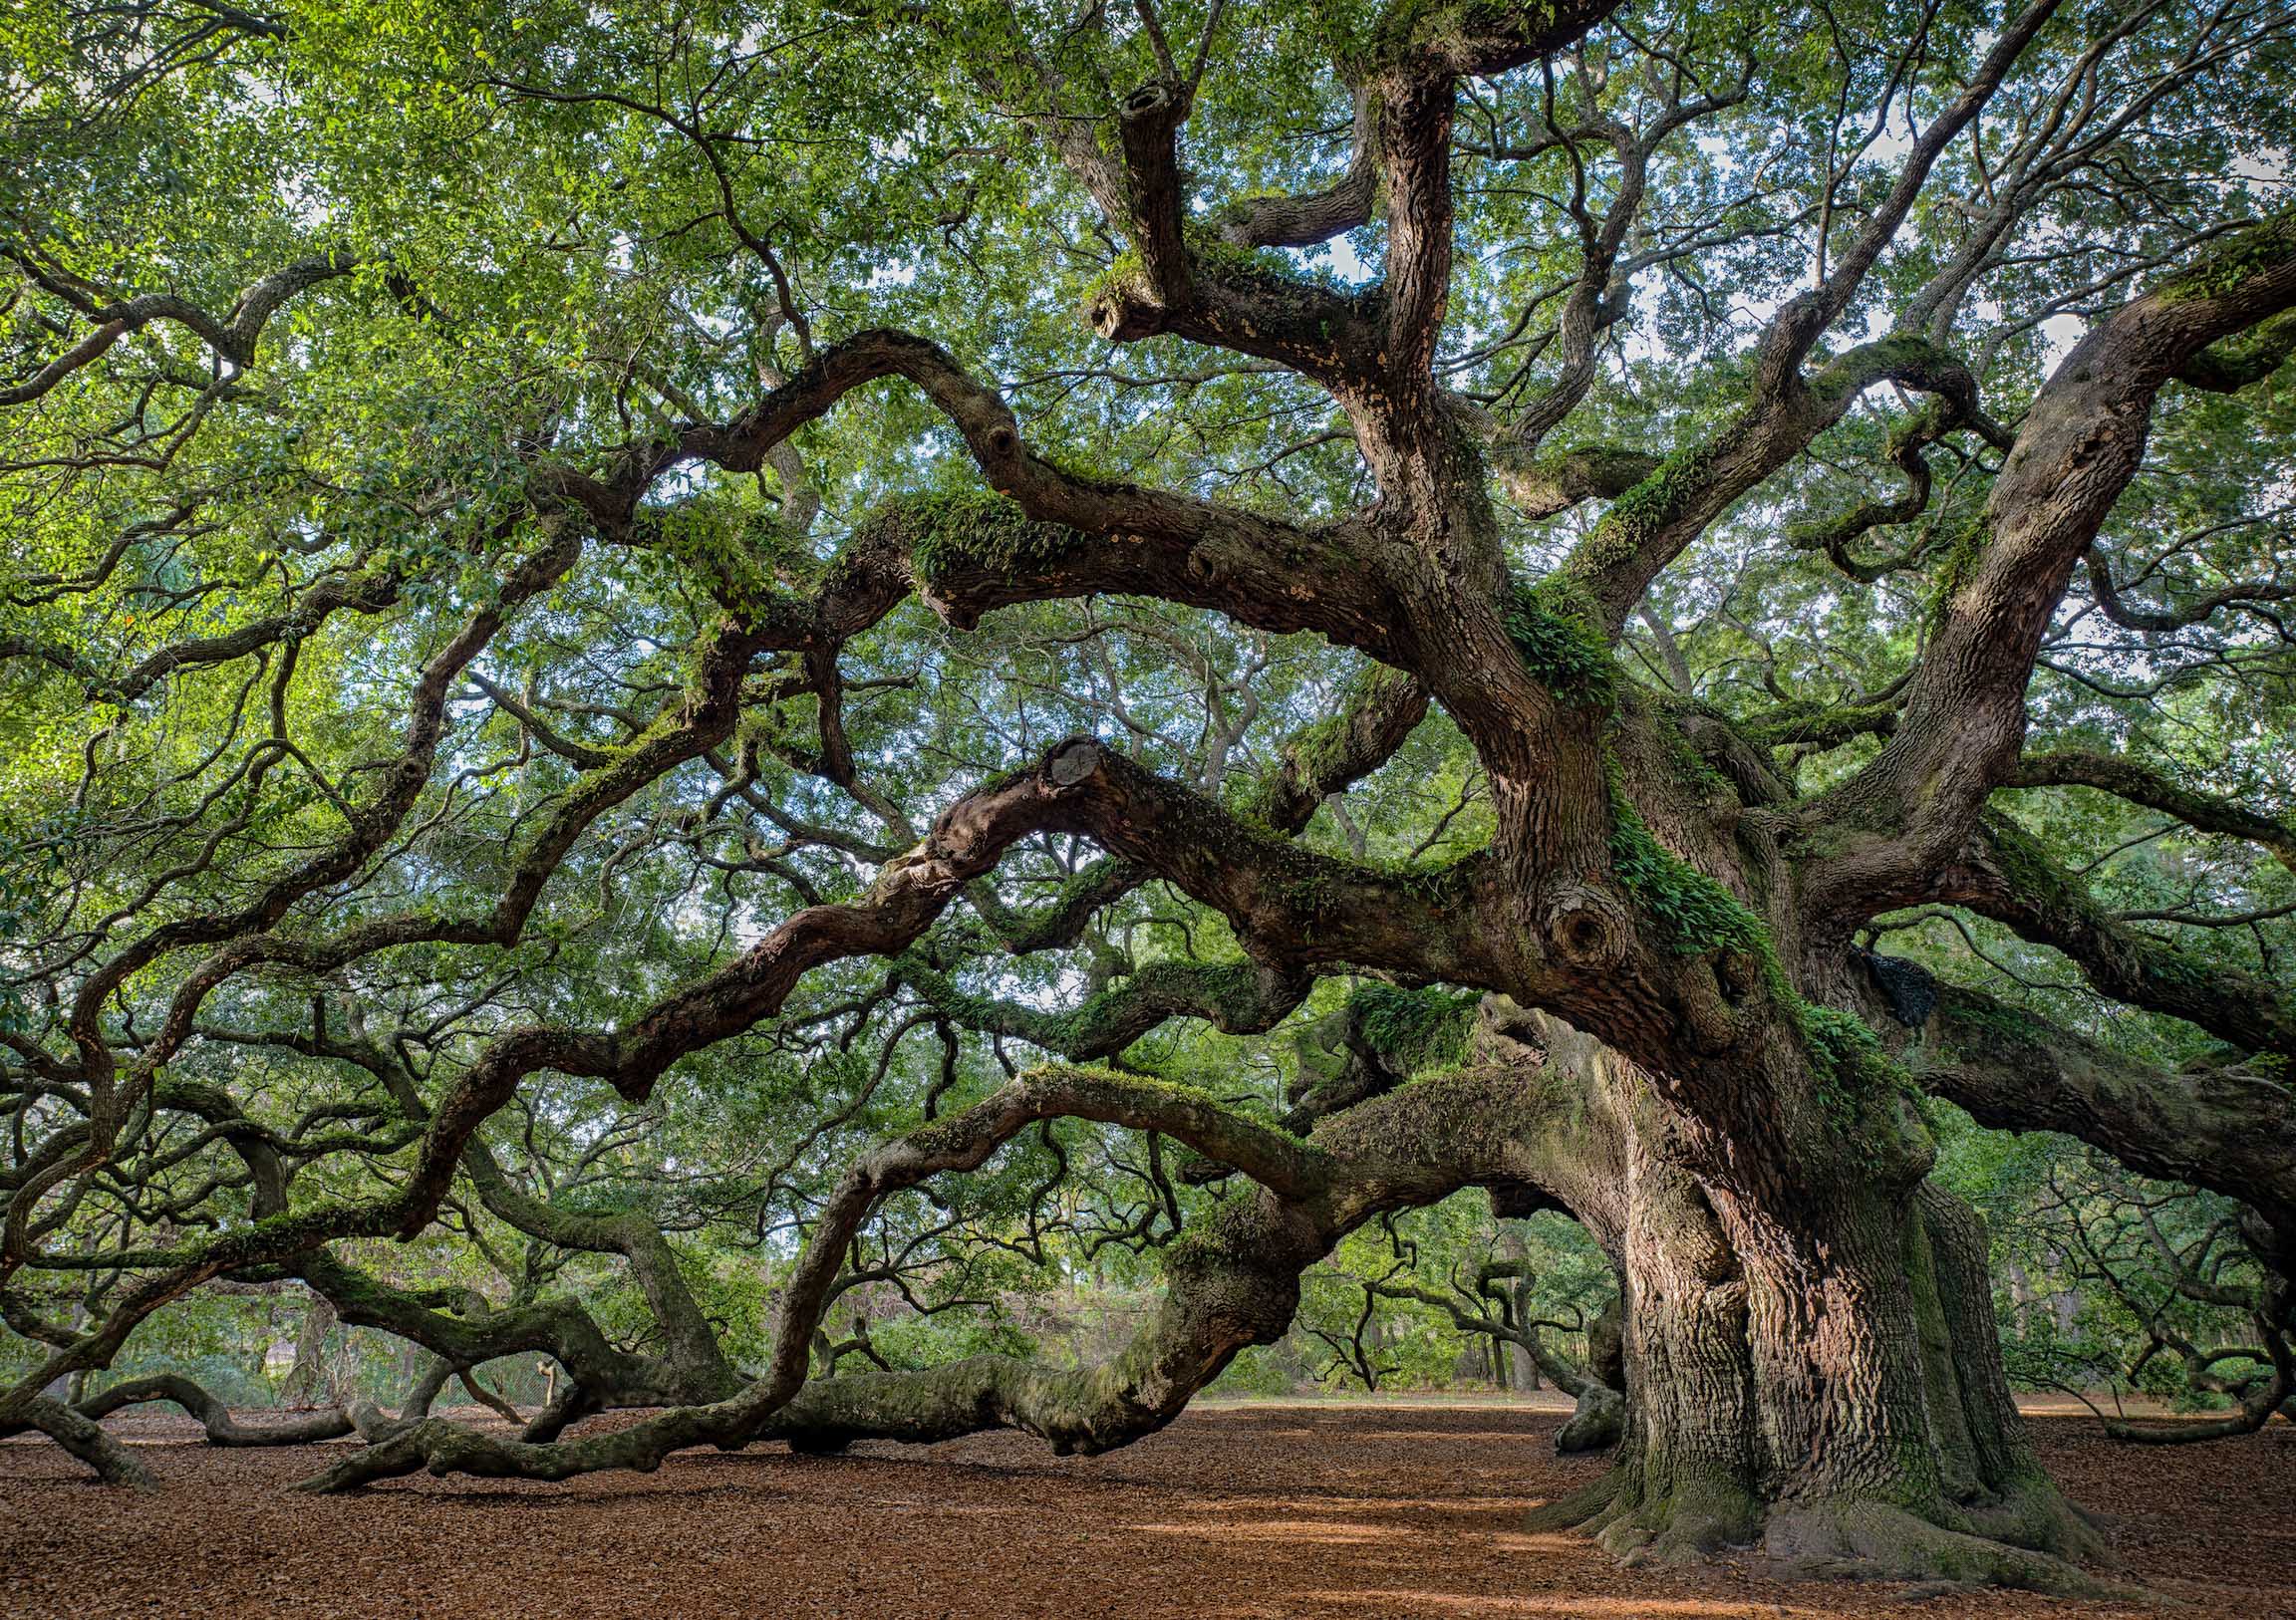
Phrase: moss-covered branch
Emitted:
{"points": [[2123, 778], [214, 1417], [1376, 714], [1236, 999], [2015, 882], [1287, 1166], [2230, 1128]]}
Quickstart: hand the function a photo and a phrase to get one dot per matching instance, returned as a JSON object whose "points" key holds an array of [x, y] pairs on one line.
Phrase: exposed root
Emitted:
{"points": [[1868, 1540], [1929, 1592], [1697, 1520], [1848, 1541], [1571, 1512], [2041, 1518]]}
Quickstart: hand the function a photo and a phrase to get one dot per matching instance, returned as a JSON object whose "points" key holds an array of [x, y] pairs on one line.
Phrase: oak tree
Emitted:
{"points": [[563, 563]]}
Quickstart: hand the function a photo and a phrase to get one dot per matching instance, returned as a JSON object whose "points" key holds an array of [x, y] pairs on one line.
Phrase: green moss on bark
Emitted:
{"points": [[1699, 916], [1637, 515], [949, 532], [1414, 1030], [1697, 913], [2264, 246]]}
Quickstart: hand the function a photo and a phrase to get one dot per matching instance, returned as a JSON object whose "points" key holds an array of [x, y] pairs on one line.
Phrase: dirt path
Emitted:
{"points": [[1243, 1510]]}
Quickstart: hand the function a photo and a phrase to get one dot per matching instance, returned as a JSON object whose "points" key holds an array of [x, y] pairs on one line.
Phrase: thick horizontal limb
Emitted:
{"points": [[2233, 1130], [2124, 779], [1290, 1169], [83, 1438], [214, 1417], [2007, 876]]}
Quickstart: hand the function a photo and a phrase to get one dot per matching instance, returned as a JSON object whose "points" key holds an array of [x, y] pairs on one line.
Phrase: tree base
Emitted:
{"points": [[2036, 1542], [1867, 1541]]}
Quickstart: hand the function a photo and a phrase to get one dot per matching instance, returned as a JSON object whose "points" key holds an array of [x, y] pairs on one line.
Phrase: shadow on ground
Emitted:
{"points": [[1363, 1508]]}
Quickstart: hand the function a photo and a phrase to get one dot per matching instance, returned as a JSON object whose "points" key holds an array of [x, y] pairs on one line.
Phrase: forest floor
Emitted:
{"points": [[1342, 1508]]}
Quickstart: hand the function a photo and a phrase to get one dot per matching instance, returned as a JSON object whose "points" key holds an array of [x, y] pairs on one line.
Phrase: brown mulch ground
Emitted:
{"points": [[1355, 1510]]}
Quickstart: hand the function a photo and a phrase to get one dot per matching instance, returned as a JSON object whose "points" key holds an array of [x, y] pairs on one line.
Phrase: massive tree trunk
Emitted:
{"points": [[1830, 1389], [1811, 1361]]}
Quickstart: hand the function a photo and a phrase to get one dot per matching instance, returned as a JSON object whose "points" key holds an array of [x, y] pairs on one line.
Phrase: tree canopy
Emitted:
{"points": [[663, 662]]}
